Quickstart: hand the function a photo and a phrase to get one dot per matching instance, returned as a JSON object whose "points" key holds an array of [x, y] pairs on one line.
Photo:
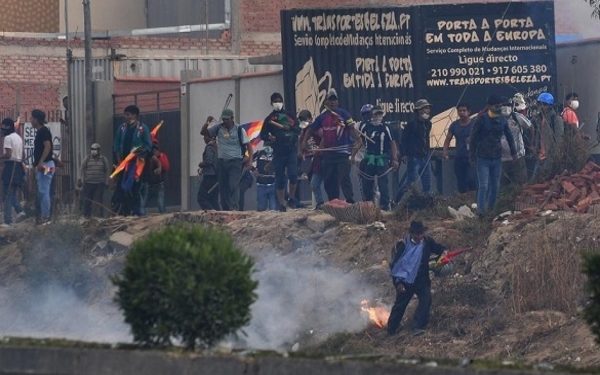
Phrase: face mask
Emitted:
{"points": [[94, 152], [575, 104], [277, 106], [505, 110], [304, 124], [425, 116]]}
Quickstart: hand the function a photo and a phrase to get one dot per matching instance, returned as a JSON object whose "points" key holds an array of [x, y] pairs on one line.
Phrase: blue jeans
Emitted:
{"points": [[415, 167], [10, 201], [266, 199], [148, 192], [488, 177], [44, 180], [316, 183]]}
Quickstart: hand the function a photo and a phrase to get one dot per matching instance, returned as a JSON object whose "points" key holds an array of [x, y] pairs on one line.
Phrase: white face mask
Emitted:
{"points": [[94, 152], [575, 104], [277, 106], [425, 116], [505, 110], [304, 124]]}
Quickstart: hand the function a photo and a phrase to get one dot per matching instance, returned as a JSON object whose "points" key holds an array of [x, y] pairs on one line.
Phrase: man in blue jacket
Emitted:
{"points": [[410, 275]]}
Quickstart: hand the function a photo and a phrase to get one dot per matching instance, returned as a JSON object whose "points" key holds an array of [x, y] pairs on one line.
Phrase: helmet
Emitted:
{"points": [[367, 108], [95, 146], [546, 98]]}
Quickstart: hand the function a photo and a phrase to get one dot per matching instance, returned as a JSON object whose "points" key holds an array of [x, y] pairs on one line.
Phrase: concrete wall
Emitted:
{"points": [[250, 102], [115, 362], [578, 70], [106, 15]]}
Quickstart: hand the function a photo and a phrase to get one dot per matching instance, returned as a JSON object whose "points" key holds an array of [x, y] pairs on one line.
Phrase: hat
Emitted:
{"points": [[378, 109], [497, 99], [39, 115], [417, 227], [367, 108], [276, 96], [332, 94], [227, 113], [519, 102], [95, 146], [546, 98], [422, 103]]}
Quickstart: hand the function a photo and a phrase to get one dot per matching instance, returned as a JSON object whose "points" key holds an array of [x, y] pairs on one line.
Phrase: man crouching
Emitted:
{"points": [[410, 274]]}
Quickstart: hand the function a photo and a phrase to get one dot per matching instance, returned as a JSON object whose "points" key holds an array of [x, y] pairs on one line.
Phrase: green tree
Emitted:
{"points": [[185, 284], [592, 310]]}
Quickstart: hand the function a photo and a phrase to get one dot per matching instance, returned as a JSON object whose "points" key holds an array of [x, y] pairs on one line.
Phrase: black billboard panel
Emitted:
{"points": [[366, 54], [394, 55], [471, 51]]}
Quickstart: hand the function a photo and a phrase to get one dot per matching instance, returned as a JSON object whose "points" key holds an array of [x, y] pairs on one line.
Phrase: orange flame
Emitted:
{"points": [[377, 315]]}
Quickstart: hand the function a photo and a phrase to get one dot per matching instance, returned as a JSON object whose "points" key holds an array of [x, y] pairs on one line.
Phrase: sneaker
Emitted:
{"points": [[318, 207], [291, 203], [418, 332], [20, 216]]}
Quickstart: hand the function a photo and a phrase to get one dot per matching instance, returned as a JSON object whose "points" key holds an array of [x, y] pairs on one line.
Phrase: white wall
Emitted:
{"points": [[578, 71]]}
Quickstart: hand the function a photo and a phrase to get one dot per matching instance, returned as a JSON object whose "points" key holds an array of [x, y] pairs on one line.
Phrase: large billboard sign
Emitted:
{"points": [[394, 55]]}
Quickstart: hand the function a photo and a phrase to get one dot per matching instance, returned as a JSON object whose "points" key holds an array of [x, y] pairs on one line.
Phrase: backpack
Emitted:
{"points": [[241, 140], [164, 162]]}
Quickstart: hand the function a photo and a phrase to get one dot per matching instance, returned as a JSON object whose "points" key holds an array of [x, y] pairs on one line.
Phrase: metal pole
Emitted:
{"points": [[206, 22], [69, 110], [89, 87]]}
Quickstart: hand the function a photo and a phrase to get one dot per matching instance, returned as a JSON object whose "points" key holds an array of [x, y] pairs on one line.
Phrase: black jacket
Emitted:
{"points": [[486, 137], [414, 141], [285, 139], [431, 247]]}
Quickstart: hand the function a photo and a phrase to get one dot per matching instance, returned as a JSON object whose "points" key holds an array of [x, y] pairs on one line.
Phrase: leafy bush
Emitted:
{"points": [[592, 311], [184, 283]]}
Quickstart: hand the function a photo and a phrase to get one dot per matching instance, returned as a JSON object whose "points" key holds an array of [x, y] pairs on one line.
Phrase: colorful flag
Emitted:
{"points": [[253, 129], [154, 132], [123, 164]]}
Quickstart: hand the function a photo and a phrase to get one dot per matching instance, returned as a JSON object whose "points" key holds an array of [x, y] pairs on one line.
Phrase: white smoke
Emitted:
{"points": [[54, 311], [301, 298]]}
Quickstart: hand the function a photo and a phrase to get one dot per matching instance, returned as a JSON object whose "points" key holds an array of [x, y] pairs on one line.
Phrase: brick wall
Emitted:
{"points": [[31, 82]]}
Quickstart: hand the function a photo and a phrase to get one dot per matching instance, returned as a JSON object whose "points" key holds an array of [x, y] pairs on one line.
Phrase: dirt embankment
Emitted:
{"points": [[516, 296]]}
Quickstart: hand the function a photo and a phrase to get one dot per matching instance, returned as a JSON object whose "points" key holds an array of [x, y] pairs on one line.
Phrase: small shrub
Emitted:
{"points": [[189, 284], [592, 310]]}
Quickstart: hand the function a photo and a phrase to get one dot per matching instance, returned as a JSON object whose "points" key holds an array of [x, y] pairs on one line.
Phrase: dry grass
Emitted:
{"points": [[551, 277]]}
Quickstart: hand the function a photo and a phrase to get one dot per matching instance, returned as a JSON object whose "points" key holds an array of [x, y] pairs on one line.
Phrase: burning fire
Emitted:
{"points": [[377, 315]]}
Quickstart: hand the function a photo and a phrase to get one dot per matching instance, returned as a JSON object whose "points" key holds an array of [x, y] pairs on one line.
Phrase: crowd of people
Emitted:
{"points": [[507, 143]]}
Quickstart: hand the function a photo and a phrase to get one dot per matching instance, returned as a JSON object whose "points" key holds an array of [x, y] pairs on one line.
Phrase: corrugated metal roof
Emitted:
{"points": [[171, 68]]}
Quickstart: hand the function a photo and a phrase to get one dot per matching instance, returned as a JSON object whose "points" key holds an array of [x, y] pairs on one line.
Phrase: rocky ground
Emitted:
{"points": [[516, 296]]}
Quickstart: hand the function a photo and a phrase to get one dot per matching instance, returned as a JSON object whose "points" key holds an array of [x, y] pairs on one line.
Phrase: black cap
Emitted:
{"points": [[276, 96], [417, 227], [497, 99]]}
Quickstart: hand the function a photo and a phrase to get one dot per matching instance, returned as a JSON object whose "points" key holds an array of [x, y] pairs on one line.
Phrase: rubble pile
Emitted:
{"points": [[579, 192]]}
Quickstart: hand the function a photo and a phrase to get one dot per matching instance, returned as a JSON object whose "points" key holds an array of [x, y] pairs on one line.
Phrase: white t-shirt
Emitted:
{"points": [[15, 143]]}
